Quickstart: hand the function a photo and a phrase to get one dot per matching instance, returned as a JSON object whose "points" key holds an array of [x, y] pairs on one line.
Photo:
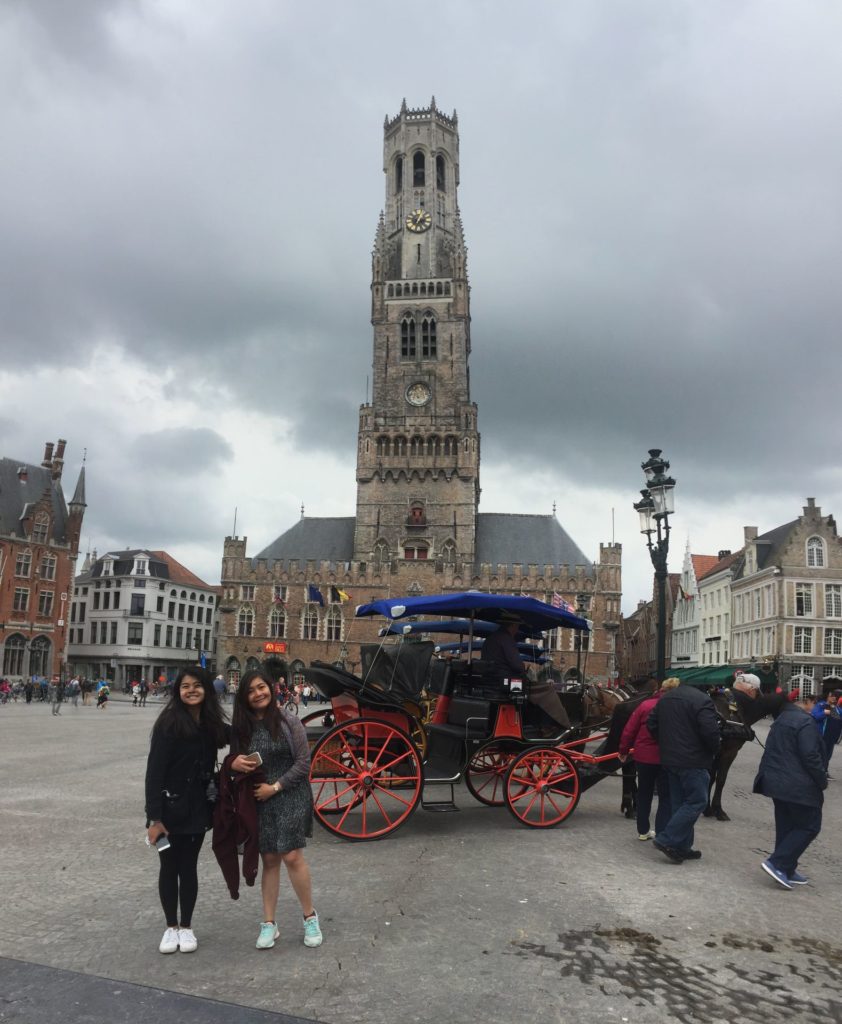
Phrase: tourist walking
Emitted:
{"points": [[56, 695], [793, 774], [684, 725], [826, 714], [179, 770], [284, 800], [651, 778]]}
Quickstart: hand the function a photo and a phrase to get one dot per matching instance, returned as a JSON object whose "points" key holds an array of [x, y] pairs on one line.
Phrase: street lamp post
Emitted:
{"points": [[654, 509], [581, 611]]}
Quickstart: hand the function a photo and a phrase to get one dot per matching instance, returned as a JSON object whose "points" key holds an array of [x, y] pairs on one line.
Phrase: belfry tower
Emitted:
{"points": [[418, 448]]}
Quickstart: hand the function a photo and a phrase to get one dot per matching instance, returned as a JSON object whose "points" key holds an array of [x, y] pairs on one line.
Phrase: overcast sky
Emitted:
{"points": [[651, 198]]}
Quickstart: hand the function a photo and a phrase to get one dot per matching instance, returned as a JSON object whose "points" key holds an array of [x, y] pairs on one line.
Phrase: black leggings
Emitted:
{"points": [[178, 880]]}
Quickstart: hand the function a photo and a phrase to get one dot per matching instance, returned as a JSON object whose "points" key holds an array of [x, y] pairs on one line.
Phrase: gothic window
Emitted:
{"points": [[277, 623], [23, 563], [417, 446], [399, 174], [415, 284], [408, 337], [433, 445], [41, 528], [815, 552], [39, 657], [439, 288], [447, 287], [440, 173], [448, 552], [391, 291], [309, 623], [245, 622], [418, 170], [450, 445], [423, 287], [333, 625], [13, 655], [428, 337], [400, 445], [381, 553], [382, 445]]}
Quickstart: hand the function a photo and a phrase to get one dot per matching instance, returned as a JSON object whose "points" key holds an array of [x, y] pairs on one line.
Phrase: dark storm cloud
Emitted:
{"points": [[650, 197], [183, 452]]}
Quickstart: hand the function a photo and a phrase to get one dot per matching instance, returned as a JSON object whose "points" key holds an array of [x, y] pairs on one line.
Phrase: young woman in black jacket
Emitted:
{"points": [[185, 740]]}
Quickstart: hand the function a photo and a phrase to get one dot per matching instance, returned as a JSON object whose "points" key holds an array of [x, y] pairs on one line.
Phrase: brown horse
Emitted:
{"points": [[737, 714]]}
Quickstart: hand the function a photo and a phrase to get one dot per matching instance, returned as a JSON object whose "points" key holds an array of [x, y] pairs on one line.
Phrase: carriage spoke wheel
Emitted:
{"points": [[366, 779], [485, 775], [542, 787]]}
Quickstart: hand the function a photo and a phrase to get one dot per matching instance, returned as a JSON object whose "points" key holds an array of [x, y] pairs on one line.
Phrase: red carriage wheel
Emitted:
{"points": [[366, 778], [542, 787], [485, 775]]}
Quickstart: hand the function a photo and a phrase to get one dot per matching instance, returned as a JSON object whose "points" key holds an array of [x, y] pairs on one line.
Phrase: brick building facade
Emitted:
{"points": [[39, 543], [417, 528]]}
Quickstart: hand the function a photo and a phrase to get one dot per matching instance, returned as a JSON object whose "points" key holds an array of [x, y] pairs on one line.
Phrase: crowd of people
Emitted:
{"points": [[674, 738]]}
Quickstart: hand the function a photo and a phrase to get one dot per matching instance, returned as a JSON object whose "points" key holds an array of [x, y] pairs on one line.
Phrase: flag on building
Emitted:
{"points": [[565, 606], [338, 596], [315, 595]]}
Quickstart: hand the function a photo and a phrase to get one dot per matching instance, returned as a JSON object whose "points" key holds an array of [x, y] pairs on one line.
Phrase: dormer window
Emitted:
{"points": [[140, 567], [107, 567], [815, 553], [41, 528]]}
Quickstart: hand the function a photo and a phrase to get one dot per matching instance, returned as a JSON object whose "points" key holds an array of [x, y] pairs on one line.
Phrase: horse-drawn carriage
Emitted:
{"points": [[370, 769]]}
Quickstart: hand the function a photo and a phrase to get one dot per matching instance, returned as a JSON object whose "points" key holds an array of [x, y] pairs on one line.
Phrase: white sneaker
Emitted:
{"points": [[169, 943], [268, 933], [312, 931], [187, 940]]}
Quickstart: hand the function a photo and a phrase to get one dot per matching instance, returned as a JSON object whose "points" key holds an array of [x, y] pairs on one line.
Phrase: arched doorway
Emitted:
{"points": [[276, 668], [40, 651]]}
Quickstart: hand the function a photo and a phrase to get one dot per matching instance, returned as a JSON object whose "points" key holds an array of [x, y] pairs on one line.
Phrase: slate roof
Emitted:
{"points": [[511, 539], [502, 540], [320, 539], [16, 494], [161, 566], [769, 544]]}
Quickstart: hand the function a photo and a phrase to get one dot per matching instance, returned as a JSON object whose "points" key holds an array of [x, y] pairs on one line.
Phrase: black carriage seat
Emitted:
{"points": [[333, 681], [441, 677]]}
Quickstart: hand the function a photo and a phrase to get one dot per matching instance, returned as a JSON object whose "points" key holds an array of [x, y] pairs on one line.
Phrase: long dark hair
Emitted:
{"points": [[176, 719], [243, 719]]}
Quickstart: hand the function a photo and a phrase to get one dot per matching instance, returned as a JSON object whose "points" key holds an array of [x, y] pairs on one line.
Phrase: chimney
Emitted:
{"points": [[58, 460], [23, 473], [749, 533], [48, 455], [811, 510], [723, 554]]}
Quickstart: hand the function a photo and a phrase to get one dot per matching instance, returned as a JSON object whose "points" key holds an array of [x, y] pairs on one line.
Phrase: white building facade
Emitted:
{"points": [[140, 614], [687, 613]]}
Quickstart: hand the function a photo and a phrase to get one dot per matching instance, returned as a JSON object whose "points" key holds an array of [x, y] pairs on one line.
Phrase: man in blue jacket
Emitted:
{"points": [[685, 727], [792, 772]]}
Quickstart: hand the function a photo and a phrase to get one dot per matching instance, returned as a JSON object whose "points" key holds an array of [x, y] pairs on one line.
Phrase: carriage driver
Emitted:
{"points": [[500, 650]]}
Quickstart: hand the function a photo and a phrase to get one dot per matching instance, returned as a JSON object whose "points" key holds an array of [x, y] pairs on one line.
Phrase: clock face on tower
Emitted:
{"points": [[418, 393], [419, 220]]}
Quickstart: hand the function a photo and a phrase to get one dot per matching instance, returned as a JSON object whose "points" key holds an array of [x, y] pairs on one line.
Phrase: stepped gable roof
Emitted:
{"points": [[507, 539], [314, 539], [723, 563], [179, 573], [770, 544], [703, 564], [16, 494]]}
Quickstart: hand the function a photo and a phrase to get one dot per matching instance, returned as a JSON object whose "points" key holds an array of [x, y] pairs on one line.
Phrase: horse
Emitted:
{"points": [[737, 714]]}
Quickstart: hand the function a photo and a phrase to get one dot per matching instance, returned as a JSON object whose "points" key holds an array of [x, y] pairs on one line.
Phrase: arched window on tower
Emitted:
{"points": [[448, 552], [278, 623], [440, 173], [408, 337], [418, 170], [399, 174], [381, 554], [428, 337]]}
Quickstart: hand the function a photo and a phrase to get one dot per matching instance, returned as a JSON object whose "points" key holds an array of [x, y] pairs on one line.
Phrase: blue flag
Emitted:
{"points": [[315, 595], [203, 660]]}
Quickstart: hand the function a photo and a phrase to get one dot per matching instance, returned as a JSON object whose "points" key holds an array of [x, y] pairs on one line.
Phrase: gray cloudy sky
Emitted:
{"points": [[651, 198]]}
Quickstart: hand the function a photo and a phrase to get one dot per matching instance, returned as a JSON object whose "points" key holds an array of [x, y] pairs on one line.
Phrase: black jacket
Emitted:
{"points": [[180, 765], [686, 728], [792, 766]]}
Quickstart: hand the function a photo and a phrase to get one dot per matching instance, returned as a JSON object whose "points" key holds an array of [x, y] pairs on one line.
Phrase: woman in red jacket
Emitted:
{"points": [[647, 762]]}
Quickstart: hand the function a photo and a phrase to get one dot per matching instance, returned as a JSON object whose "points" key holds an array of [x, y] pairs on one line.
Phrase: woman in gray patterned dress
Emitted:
{"points": [[284, 800]]}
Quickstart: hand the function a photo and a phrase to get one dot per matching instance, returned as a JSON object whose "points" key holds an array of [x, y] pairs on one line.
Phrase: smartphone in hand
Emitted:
{"points": [[255, 759]]}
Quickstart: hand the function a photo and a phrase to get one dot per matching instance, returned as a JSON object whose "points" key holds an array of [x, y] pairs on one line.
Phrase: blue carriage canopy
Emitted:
{"points": [[474, 604], [457, 627]]}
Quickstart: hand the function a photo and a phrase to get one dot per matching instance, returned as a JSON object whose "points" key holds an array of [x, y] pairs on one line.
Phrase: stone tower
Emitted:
{"points": [[418, 446]]}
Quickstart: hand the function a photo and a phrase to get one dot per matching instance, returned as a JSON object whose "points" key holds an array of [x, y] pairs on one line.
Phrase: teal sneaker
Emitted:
{"points": [[268, 933], [312, 931]]}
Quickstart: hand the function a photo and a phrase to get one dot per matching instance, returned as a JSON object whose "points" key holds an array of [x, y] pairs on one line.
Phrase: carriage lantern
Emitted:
{"points": [[654, 509]]}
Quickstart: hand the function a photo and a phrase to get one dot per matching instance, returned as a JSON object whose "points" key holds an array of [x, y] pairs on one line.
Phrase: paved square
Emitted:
{"points": [[457, 917]]}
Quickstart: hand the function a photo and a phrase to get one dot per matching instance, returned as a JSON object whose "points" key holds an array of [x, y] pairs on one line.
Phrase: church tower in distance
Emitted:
{"points": [[418, 446]]}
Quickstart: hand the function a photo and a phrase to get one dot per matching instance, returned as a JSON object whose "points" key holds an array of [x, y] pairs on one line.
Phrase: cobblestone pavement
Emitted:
{"points": [[457, 917]]}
